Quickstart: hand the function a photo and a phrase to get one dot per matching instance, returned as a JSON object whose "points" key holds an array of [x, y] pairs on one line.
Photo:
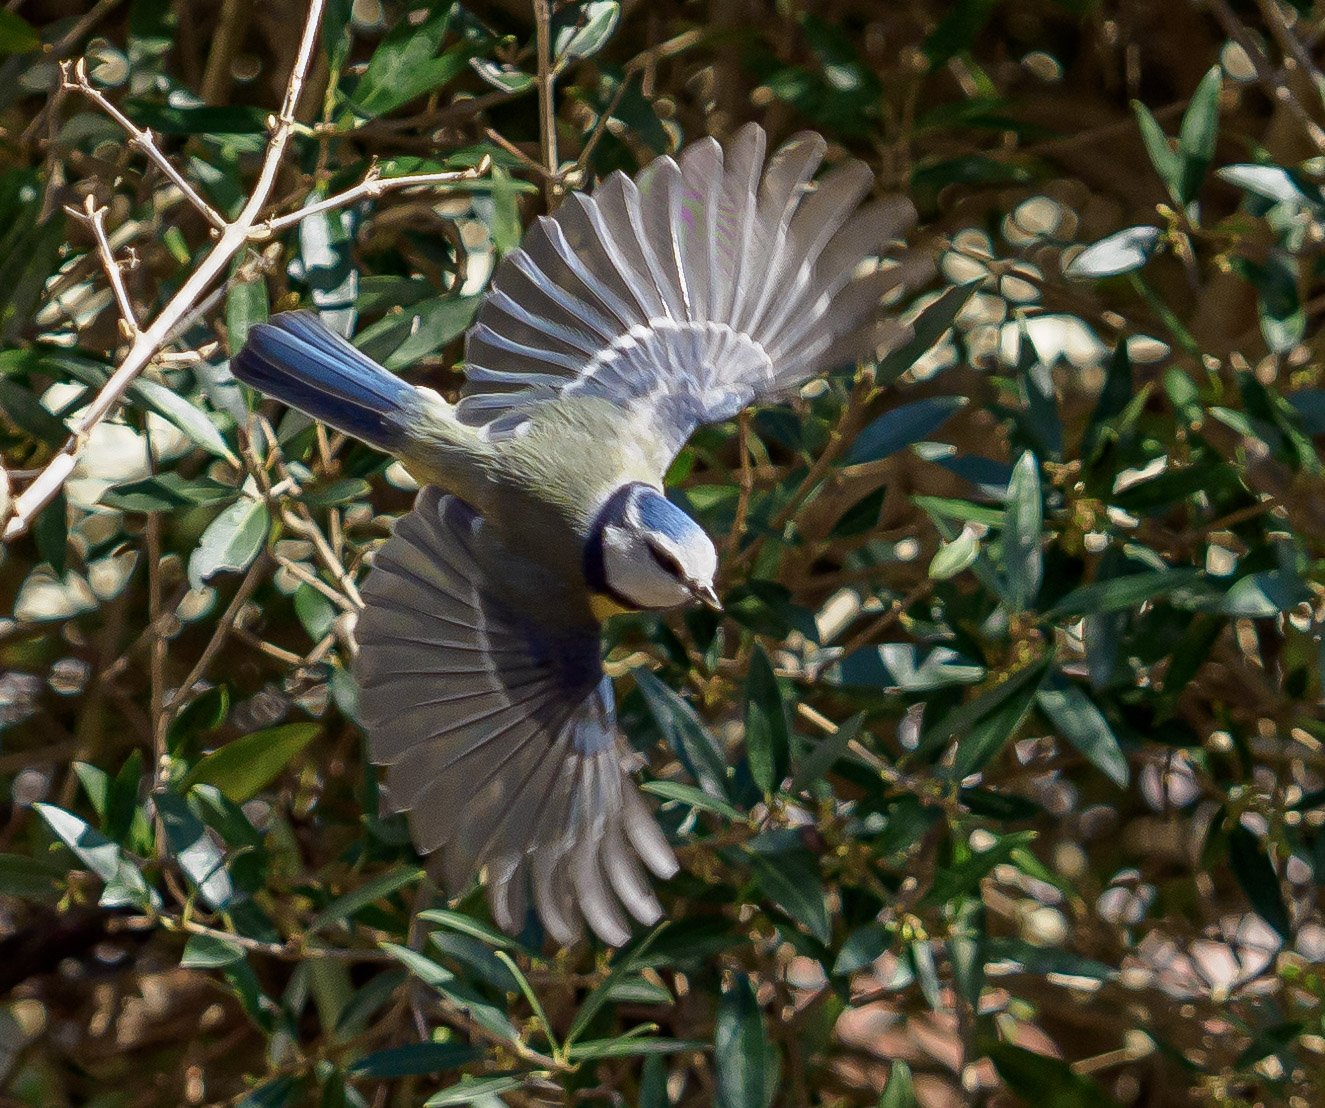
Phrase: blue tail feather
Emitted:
{"points": [[294, 358]]}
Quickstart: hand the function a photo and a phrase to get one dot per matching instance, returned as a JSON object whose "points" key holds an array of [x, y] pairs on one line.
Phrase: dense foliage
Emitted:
{"points": [[1002, 776]]}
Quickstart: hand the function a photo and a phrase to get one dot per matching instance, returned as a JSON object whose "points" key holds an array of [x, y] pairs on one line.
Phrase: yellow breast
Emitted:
{"points": [[603, 606]]}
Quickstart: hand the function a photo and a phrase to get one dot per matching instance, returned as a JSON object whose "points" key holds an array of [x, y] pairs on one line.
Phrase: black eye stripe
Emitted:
{"points": [[668, 563]]}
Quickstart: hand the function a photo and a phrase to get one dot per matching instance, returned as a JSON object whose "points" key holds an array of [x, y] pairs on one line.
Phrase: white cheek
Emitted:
{"points": [[632, 574]]}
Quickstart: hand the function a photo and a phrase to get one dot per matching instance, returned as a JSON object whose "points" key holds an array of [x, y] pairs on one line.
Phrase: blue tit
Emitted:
{"points": [[624, 321]]}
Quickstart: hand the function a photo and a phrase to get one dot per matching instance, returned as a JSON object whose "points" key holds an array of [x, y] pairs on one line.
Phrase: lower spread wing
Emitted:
{"points": [[691, 291], [500, 736]]}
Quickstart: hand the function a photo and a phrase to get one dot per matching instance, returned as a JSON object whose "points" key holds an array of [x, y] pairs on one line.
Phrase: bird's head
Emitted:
{"points": [[649, 554]]}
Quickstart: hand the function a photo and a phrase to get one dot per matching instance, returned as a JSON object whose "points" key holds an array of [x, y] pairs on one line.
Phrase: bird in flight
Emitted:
{"points": [[624, 320]]}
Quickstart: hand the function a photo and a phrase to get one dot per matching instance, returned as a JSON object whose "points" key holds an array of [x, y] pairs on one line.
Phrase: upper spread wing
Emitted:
{"points": [[691, 291], [499, 735]]}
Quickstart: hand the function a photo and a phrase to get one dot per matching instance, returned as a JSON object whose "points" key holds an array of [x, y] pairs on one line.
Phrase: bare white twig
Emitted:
{"points": [[373, 185], [232, 238], [95, 217], [74, 75]]}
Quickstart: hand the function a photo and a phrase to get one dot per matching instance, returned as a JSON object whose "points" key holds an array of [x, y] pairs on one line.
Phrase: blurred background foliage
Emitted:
{"points": [[1001, 780]]}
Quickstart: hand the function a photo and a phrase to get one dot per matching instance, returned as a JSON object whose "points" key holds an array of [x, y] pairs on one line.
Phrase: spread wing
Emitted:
{"points": [[690, 292], [499, 736]]}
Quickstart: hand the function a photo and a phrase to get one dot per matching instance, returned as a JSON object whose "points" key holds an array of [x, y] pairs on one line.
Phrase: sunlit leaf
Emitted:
{"points": [[231, 542], [581, 30], [124, 883], [244, 766], [1121, 252]]}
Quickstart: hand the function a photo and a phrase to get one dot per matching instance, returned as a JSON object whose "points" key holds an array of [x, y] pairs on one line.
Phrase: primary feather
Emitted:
{"points": [[689, 293], [624, 320]]}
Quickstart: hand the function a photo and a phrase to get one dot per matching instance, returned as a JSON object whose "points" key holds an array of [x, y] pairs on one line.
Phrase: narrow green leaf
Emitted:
{"points": [[531, 998], [1023, 561], [210, 952], [166, 492], [1040, 1079], [415, 1058], [900, 1092], [581, 30], [685, 731], [988, 735], [375, 889], [767, 728], [17, 35], [1198, 133], [30, 878], [1255, 874], [963, 878], [626, 963], [791, 880], [628, 1047], [245, 304], [476, 1090], [962, 718], [930, 326], [745, 1060], [953, 557], [241, 768], [1121, 252], [901, 427], [825, 755], [1167, 162], [124, 883], [863, 946], [695, 798], [195, 850], [503, 76], [1077, 719], [1113, 400], [466, 925], [189, 418], [1122, 593], [427, 327], [316, 613], [405, 64], [653, 1084]]}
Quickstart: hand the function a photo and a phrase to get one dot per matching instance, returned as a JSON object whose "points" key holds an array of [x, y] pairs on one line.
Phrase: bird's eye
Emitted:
{"points": [[668, 563]]}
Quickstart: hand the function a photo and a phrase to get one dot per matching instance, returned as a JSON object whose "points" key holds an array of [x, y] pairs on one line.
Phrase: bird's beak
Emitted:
{"points": [[709, 598]]}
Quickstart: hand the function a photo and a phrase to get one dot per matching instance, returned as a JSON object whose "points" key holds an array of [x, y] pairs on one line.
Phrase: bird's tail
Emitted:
{"points": [[297, 360]]}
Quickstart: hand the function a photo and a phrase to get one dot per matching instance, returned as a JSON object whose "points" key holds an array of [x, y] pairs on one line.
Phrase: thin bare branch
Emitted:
{"points": [[547, 110], [372, 186], [233, 238], [74, 76], [1270, 82], [95, 217]]}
